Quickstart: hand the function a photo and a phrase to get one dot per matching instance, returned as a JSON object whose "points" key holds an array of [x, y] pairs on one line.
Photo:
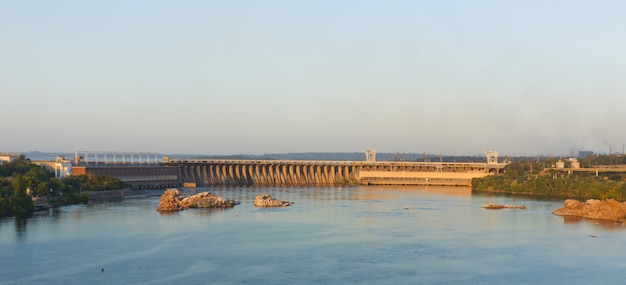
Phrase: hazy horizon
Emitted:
{"points": [[256, 77], [281, 155]]}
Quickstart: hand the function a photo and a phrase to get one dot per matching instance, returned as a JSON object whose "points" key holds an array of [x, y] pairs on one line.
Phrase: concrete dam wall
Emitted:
{"points": [[274, 172], [266, 173]]}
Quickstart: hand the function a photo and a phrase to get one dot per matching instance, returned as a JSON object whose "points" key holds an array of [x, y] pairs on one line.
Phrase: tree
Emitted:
{"points": [[23, 205]]}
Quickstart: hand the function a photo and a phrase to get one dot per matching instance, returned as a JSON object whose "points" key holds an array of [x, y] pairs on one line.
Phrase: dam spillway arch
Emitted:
{"points": [[204, 173]]}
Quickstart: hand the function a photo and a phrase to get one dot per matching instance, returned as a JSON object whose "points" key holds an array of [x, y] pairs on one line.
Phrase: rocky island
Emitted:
{"points": [[266, 200], [494, 206], [172, 200], [609, 209]]}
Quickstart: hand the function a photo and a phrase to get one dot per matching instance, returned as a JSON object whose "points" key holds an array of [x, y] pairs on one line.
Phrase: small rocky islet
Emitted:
{"points": [[608, 209], [173, 200], [494, 206], [266, 200]]}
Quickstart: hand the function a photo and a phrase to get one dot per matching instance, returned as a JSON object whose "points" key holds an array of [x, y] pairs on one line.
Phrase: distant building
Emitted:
{"points": [[584, 153], [62, 167], [560, 164], [9, 156], [572, 163]]}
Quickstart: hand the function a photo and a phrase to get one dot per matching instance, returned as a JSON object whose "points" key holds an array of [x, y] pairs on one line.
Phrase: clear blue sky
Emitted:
{"points": [[254, 77]]}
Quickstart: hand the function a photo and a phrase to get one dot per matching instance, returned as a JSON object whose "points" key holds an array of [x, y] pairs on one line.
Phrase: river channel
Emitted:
{"points": [[332, 235]]}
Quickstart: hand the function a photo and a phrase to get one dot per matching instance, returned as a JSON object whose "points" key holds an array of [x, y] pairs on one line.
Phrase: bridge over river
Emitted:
{"points": [[311, 172]]}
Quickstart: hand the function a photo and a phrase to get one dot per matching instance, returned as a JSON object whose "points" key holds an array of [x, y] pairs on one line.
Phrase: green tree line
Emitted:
{"points": [[18, 175], [540, 177]]}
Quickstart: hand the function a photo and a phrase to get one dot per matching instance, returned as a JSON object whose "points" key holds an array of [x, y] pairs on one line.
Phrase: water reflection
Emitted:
{"points": [[533, 197], [195, 212], [168, 213], [330, 199], [334, 193], [335, 235], [448, 191], [20, 228], [603, 224], [388, 201]]}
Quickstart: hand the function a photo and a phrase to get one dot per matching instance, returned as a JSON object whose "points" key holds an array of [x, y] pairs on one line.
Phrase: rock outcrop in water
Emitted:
{"points": [[499, 206], [172, 200], [593, 209], [266, 200]]}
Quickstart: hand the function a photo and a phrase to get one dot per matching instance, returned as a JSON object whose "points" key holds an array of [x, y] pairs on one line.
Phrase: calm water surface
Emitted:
{"points": [[332, 235]]}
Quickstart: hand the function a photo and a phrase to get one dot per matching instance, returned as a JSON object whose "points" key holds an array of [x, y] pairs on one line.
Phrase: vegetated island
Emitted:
{"points": [[539, 177], [602, 192], [24, 187]]}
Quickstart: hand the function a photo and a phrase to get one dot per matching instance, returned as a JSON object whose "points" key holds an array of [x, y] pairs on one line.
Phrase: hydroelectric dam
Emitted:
{"points": [[206, 172]]}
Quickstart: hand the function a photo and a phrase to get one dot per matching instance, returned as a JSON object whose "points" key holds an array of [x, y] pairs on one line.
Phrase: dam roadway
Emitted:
{"points": [[202, 172]]}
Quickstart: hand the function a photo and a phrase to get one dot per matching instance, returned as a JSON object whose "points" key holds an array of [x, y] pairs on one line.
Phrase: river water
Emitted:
{"points": [[332, 235]]}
